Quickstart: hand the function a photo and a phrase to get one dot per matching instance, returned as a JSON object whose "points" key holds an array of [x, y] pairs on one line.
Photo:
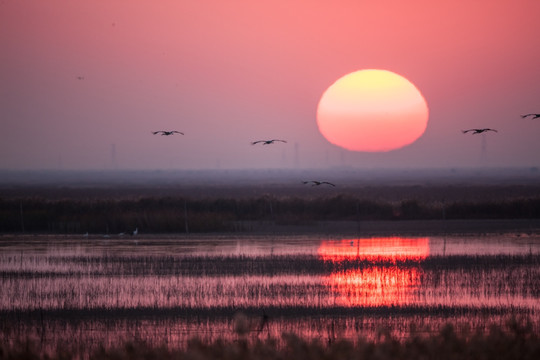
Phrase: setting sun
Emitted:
{"points": [[372, 110]]}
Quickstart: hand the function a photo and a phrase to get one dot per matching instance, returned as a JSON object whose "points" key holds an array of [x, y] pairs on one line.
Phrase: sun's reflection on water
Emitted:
{"points": [[392, 277], [375, 249]]}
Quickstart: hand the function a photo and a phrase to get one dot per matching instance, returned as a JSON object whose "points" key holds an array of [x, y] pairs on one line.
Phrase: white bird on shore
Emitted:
{"points": [[135, 232]]}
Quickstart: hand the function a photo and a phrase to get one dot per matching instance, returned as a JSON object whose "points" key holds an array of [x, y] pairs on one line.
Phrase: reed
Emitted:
{"points": [[14, 265], [67, 299], [515, 340], [118, 284]]}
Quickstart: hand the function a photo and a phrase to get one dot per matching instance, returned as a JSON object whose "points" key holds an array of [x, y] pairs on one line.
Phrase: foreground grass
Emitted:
{"points": [[516, 341]]}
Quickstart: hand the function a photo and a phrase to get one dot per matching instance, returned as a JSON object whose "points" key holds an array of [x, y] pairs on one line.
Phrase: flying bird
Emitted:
{"points": [[317, 183], [534, 116], [267, 142], [478, 131], [167, 133], [80, 77]]}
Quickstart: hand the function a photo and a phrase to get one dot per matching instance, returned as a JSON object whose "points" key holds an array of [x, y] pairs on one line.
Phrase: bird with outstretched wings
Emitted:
{"points": [[167, 133], [318, 183], [478, 131], [267, 142]]}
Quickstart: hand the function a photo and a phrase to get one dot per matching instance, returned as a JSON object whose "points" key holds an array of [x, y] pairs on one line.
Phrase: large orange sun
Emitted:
{"points": [[372, 110]]}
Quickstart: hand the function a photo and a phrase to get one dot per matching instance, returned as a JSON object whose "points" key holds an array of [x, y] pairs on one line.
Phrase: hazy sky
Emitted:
{"points": [[230, 72]]}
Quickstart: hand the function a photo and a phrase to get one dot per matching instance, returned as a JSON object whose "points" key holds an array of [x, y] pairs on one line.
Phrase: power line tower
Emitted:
{"points": [[296, 155], [114, 163]]}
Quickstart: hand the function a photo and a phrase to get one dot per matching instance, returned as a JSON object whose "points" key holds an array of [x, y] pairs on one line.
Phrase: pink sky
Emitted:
{"points": [[230, 72]]}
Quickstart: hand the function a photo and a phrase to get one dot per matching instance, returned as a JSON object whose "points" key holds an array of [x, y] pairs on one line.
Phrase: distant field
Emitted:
{"points": [[213, 201], [121, 210]]}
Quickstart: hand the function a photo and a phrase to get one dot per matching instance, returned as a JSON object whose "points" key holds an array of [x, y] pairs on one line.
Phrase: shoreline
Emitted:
{"points": [[405, 227], [518, 227]]}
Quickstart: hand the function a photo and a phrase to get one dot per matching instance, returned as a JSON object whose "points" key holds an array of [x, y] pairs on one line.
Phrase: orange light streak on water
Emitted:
{"points": [[375, 249], [376, 285]]}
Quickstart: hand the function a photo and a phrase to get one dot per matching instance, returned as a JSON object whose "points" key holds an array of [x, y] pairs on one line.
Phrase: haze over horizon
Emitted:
{"points": [[84, 84]]}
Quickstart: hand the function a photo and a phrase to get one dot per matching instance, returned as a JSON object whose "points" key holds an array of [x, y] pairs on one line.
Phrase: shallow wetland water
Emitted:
{"points": [[82, 292]]}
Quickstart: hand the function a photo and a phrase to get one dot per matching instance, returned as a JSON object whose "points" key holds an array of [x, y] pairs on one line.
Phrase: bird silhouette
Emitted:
{"points": [[533, 116], [267, 142], [317, 183], [478, 131], [167, 133], [80, 77]]}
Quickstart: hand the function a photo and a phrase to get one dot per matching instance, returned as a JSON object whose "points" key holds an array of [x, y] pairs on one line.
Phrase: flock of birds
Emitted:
{"points": [[474, 131], [317, 182], [483, 130], [263, 142]]}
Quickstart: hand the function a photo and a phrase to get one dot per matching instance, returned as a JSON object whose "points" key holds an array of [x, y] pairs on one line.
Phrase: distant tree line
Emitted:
{"points": [[181, 214]]}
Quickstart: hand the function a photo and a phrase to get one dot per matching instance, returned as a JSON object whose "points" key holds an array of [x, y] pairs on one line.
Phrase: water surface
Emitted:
{"points": [[169, 289]]}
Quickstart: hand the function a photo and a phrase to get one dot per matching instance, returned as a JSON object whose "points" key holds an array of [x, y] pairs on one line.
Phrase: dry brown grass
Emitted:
{"points": [[515, 341]]}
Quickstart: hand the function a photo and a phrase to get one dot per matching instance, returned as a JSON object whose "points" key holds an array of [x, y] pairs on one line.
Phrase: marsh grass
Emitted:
{"points": [[63, 300], [514, 340], [13, 265], [194, 283]]}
